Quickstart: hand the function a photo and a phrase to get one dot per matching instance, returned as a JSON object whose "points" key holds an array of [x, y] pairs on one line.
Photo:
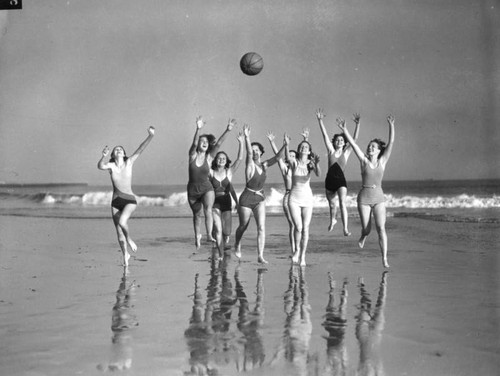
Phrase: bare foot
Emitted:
{"points": [[132, 245], [303, 263], [295, 258], [211, 239], [261, 260], [386, 264], [361, 241], [346, 232], [237, 250], [333, 222], [197, 242]]}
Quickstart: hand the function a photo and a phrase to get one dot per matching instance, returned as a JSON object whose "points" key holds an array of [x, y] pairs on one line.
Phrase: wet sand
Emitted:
{"points": [[67, 306]]}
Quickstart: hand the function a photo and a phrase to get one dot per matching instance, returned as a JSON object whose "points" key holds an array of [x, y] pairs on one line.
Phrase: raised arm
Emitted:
{"points": [[315, 164], [328, 143], [356, 118], [142, 146], [388, 149], [305, 134], [199, 124], [249, 165], [357, 150], [237, 162], [281, 163], [280, 153], [230, 124], [102, 165]]}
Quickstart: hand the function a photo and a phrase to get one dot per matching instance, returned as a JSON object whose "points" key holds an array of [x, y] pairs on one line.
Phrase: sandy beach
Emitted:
{"points": [[68, 308]]}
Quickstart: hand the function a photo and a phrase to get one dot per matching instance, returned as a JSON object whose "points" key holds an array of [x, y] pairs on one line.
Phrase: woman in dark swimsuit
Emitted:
{"points": [[123, 202], [252, 200], [371, 197], [221, 176], [199, 189], [338, 153]]}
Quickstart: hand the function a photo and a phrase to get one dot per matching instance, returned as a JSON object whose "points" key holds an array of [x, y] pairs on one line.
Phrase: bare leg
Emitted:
{"points": [[122, 241], [291, 227], [123, 223], [296, 214], [260, 218], [306, 220], [342, 194], [196, 208], [330, 196], [226, 226], [379, 213], [365, 214], [244, 214], [218, 231], [208, 202]]}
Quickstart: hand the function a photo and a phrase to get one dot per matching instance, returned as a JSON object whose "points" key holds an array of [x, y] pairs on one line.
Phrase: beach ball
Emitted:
{"points": [[251, 63]]}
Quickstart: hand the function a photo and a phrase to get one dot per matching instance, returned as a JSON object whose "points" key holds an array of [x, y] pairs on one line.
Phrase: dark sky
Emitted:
{"points": [[78, 75]]}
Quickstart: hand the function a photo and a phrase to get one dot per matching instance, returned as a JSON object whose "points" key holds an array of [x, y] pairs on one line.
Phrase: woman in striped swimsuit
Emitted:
{"points": [[371, 197]]}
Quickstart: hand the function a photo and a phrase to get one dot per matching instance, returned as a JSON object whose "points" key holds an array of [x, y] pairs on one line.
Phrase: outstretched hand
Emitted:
{"points": [[286, 139], [240, 136], [151, 131], [305, 133], [270, 136], [320, 114], [231, 123], [341, 124], [390, 120], [199, 122], [105, 151], [246, 130], [356, 118]]}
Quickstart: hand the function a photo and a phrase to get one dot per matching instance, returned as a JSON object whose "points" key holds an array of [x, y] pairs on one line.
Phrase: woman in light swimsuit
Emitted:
{"points": [[199, 189], [338, 153], [301, 198], [221, 176], [123, 202], [286, 172], [371, 197], [252, 200]]}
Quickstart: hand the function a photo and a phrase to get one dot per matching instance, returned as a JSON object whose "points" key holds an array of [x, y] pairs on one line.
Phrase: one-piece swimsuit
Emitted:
{"points": [[301, 193], [222, 193], [253, 194], [199, 182], [371, 192]]}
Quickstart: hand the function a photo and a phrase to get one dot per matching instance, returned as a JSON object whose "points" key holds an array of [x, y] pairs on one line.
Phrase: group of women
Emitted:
{"points": [[210, 192]]}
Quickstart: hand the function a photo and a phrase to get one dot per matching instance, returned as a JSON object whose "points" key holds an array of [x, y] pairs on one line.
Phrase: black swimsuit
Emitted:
{"points": [[120, 200], [335, 178]]}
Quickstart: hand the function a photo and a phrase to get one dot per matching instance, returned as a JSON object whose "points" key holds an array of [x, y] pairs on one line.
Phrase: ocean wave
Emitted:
{"points": [[274, 198]]}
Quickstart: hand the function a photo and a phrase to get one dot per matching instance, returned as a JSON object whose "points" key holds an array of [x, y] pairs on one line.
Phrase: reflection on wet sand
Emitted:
{"points": [[250, 323], [211, 342], [369, 327], [294, 348], [335, 323], [123, 320]]}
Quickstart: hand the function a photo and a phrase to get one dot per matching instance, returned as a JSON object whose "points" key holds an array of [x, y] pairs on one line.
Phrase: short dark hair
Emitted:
{"points": [[214, 162], [337, 135], [259, 145], [381, 145]]}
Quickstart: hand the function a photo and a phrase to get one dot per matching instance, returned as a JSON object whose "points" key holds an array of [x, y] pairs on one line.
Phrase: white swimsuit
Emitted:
{"points": [[301, 193]]}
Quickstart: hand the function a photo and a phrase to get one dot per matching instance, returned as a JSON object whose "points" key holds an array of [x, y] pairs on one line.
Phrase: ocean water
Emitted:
{"points": [[440, 200]]}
